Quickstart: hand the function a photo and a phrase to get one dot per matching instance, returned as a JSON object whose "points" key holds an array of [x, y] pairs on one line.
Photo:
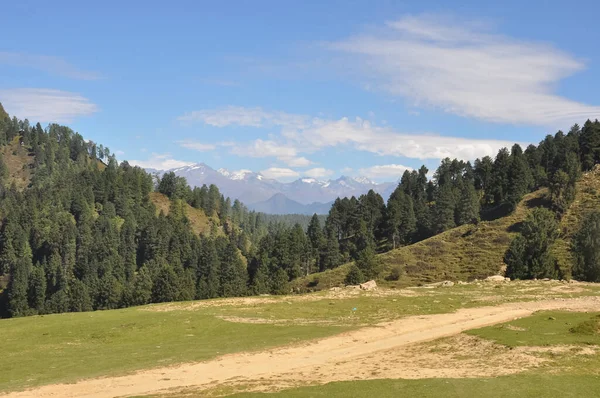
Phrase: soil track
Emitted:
{"points": [[350, 346]]}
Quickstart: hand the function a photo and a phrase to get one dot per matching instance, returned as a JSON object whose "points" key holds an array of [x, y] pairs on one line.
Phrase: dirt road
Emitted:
{"points": [[290, 359]]}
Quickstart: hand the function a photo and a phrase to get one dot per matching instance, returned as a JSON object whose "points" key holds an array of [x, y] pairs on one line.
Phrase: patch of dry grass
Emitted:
{"points": [[19, 162], [200, 222]]}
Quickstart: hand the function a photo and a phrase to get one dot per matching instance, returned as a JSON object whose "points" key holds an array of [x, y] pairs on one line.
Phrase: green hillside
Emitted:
{"points": [[462, 253], [472, 251]]}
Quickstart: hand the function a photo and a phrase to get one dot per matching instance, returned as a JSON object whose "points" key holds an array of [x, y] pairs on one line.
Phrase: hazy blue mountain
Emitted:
{"points": [[302, 196]]}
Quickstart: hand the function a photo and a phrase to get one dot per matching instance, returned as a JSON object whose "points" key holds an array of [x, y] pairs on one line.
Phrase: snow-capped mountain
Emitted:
{"points": [[254, 188]]}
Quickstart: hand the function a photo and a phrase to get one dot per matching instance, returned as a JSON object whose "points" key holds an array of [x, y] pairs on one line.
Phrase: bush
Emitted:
{"points": [[354, 276], [395, 273], [368, 263]]}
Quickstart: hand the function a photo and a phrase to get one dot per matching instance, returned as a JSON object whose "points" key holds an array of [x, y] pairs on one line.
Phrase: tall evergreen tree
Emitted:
{"points": [[529, 253]]}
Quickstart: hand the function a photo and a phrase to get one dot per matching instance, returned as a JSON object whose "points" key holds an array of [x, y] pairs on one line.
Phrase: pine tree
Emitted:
{"points": [[139, 290], [519, 177], [233, 275], [467, 208], [316, 238], [17, 287], [529, 253], [330, 257], [37, 289], [444, 208], [166, 285], [368, 263], [279, 284], [589, 142], [500, 177], [401, 220], [586, 249]]}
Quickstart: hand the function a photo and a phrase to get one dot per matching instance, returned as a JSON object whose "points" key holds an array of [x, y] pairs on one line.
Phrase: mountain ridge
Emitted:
{"points": [[305, 195]]}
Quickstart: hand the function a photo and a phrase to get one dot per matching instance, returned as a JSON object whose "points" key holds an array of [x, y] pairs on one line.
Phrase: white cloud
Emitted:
{"points": [[394, 171], [279, 173], [50, 64], [241, 116], [46, 105], [270, 149], [362, 135], [300, 161], [318, 172], [159, 162], [462, 69], [197, 146], [359, 134]]}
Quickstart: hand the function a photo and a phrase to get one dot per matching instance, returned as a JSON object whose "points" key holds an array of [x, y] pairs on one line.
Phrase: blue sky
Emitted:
{"points": [[307, 88]]}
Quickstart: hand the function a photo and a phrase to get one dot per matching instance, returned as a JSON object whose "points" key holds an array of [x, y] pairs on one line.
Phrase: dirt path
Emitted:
{"points": [[291, 359]]}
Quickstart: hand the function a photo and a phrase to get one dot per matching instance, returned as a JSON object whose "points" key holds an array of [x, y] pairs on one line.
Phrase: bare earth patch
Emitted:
{"points": [[341, 293], [342, 357]]}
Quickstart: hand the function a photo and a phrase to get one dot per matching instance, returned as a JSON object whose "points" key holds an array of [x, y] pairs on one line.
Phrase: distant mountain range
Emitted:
{"points": [[302, 196]]}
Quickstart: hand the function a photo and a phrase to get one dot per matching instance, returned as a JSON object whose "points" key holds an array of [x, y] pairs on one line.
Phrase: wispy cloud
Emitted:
{"points": [[279, 173], [318, 172], [50, 64], [384, 171], [460, 67], [197, 146], [271, 149], [315, 134], [46, 105], [241, 116], [159, 161]]}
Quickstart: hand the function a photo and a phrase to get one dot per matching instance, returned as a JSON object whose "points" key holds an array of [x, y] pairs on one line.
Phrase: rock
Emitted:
{"points": [[506, 279], [369, 285], [462, 283], [353, 287], [494, 279], [335, 289], [447, 284]]}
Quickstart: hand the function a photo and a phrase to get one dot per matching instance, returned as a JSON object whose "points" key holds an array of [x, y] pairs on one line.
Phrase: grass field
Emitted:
{"points": [[546, 329], [565, 375], [529, 386], [66, 347]]}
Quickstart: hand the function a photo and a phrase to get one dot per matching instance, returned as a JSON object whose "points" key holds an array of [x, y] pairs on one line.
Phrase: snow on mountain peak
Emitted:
{"points": [[235, 175], [363, 180]]}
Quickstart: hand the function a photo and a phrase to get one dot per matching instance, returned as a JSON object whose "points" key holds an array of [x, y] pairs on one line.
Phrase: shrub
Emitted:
{"points": [[395, 273], [354, 276]]}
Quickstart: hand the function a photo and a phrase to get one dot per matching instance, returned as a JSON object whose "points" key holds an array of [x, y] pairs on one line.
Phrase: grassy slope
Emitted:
{"points": [[462, 253], [586, 200], [200, 222], [19, 164]]}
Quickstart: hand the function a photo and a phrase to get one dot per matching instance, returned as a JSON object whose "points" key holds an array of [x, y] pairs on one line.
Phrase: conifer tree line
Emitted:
{"points": [[84, 234]]}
